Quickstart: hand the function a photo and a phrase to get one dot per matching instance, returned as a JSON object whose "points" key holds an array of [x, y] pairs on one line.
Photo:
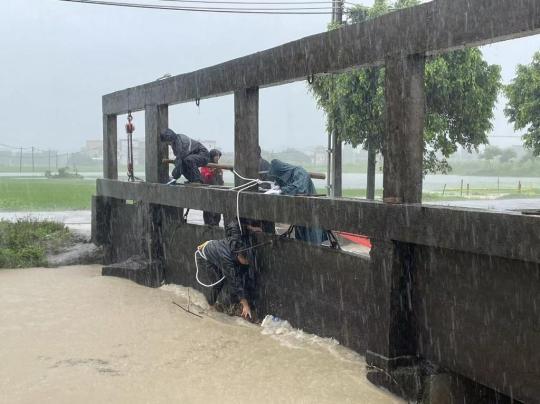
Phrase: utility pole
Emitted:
{"points": [[49, 159], [32, 158], [334, 183], [56, 160]]}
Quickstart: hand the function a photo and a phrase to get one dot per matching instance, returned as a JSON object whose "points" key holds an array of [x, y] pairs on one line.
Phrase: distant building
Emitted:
{"points": [[319, 156], [94, 149], [138, 151]]}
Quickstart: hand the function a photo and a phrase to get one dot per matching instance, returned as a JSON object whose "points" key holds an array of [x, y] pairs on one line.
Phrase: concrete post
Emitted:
{"points": [[392, 342], [246, 133], [404, 142], [110, 140], [156, 120]]}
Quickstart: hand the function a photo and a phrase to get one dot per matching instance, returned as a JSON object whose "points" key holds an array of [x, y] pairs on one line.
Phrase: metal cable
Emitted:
{"points": [[246, 3], [198, 9]]}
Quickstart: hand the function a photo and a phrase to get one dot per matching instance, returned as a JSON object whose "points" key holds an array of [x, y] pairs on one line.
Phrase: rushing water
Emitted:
{"points": [[69, 335]]}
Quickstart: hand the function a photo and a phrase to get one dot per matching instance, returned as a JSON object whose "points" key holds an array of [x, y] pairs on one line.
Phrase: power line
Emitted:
{"points": [[246, 3], [14, 147], [251, 8], [198, 9], [250, 3]]}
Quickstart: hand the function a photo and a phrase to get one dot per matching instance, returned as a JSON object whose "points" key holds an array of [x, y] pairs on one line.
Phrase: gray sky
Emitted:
{"points": [[57, 59]]}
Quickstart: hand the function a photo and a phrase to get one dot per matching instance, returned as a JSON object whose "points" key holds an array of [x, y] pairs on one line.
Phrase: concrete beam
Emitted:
{"points": [[435, 27], [469, 230]]}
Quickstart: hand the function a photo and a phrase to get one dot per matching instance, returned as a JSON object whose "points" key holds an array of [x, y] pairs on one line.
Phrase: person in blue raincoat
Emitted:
{"points": [[295, 180]]}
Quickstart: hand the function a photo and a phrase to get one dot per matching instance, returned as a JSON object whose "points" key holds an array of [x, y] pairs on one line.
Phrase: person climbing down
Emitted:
{"points": [[190, 155], [223, 264], [212, 176], [295, 180]]}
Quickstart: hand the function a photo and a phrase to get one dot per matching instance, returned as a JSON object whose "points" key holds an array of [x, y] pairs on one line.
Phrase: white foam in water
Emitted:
{"points": [[196, 297], [291, 337], [275, 327]]}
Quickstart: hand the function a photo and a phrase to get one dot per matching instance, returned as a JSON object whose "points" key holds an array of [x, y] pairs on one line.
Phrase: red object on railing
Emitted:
{"points": [[356, 238]]}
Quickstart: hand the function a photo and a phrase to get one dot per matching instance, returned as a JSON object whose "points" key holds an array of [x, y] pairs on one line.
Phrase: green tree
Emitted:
{"points": [[523, 108], [507, 155], [461, 91], [490, 152]]}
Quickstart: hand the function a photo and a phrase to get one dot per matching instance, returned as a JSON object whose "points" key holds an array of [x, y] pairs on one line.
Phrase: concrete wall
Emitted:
{"points": [[479, 316], [472, 315], [327, 297]]}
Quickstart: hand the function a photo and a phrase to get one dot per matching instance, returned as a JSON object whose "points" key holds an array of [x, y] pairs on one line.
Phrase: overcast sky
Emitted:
{"points": [[57, 59]]}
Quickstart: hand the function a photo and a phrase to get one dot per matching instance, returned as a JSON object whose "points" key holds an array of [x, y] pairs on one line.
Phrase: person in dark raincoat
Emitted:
{"points": [[264, 168], [226, 263], [295, 180], [212, 176], [190, 155]]}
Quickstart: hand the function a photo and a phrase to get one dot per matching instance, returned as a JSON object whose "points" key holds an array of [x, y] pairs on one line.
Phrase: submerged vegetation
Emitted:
{"points": [[26, 242]]}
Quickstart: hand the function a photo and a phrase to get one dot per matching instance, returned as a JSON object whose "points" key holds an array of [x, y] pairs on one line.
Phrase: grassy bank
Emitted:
{"points": [[42, 194], [27, 242], [45, 194]]}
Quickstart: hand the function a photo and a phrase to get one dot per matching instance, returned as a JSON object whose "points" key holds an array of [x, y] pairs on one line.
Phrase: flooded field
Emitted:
{"points": [[70, 335]]}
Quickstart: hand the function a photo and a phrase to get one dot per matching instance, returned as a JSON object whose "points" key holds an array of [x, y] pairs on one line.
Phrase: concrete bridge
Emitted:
{"points": [[447, 305]]}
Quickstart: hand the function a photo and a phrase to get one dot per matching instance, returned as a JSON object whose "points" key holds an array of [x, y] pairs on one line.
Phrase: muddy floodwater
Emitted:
{"points": [[69, 335]]}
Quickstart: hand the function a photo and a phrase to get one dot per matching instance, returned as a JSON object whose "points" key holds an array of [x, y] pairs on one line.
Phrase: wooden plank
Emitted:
{"points": [[318, 176]]}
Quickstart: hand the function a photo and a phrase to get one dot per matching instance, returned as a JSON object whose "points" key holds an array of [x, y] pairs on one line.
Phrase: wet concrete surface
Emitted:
{"points": [[70, 335]]}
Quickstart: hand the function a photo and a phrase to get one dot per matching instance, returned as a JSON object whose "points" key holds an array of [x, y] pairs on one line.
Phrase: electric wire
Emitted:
{"points": [[250, 7], [257, 3], [198, 9], [251, 2]]}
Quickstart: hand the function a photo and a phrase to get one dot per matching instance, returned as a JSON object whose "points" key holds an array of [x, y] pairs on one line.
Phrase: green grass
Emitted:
{"points": [[27, 242], [45, 194], [70, 194]]}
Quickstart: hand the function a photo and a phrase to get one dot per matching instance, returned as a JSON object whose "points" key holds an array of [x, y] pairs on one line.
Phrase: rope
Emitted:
{"points": [[201, 253], [250, 182]]}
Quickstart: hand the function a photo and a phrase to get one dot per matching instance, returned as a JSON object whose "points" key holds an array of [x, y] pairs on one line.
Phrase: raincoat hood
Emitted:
{"points": [[281, 171]]}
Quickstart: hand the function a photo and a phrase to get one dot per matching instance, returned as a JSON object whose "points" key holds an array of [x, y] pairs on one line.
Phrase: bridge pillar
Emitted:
{"points": [[146, 266], [156, 120], [391, 351], [246, 133], [102, 206], [110, 140]]}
